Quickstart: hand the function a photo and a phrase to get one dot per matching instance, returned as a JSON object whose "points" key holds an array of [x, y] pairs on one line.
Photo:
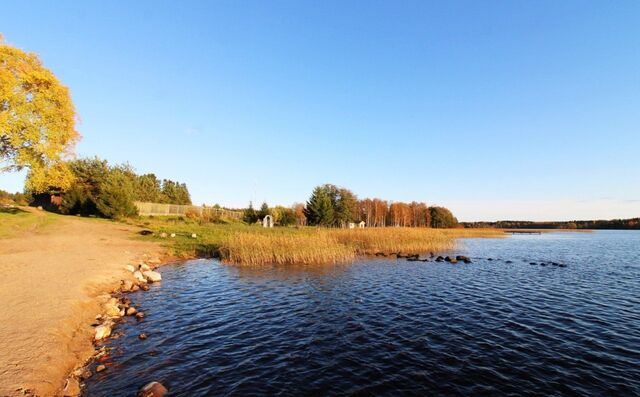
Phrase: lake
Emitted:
{"points": [[393, 327]]}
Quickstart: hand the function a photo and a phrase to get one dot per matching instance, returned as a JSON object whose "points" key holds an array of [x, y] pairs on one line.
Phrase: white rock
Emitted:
{"points": [[144, 268], [172, 235], [102, 332], [127, 285], [139, 276], [129, 268], [111, 309], [152, 276], [193, 235]]}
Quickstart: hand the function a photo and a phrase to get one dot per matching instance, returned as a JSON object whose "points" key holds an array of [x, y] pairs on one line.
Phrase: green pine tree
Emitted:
{"points": [[319, 210]]}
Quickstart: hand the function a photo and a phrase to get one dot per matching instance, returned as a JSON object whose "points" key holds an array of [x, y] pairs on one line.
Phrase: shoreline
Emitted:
{"points": [[112, 297], [52, 279]]}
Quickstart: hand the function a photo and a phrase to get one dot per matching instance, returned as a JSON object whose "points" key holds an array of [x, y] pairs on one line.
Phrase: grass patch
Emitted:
{"points": [[242, 244], [15, 221]]}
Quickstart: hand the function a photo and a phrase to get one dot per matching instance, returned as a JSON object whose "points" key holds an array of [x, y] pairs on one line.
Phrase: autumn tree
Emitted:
{"points": [[301, 218], [37, 120]]}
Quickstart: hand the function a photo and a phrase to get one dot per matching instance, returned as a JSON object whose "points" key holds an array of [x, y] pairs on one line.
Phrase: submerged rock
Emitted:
{"points": [[100, 368], [142, 336], [153, 389], [440, 259], [131, 311]]}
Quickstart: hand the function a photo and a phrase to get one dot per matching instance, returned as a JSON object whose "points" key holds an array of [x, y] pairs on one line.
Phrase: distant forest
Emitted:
{"points": [[624, 224]]}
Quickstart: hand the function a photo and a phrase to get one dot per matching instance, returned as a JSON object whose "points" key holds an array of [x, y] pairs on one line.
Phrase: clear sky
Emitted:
{"points": [[497, 110]]}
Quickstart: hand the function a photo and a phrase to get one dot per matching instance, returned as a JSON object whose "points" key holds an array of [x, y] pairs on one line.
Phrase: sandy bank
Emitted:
{"points": [[48, 283]]}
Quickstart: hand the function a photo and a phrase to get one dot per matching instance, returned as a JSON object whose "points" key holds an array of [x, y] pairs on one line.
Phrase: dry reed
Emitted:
{"points": [[250, 248], [330, 246]]}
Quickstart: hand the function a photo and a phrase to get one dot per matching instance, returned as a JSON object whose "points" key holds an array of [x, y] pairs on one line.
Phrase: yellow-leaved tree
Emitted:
{"points": [[37, 121]]}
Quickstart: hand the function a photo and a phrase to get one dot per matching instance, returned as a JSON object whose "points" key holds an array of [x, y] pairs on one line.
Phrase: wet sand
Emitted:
{"points": [[49, 280]]}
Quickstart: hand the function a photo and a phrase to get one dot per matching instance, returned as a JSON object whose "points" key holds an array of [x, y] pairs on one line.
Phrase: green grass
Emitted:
{"points": [[15, 221]]}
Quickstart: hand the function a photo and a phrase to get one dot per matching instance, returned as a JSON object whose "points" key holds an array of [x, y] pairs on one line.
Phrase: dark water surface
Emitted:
{"points": [[392, 327]]}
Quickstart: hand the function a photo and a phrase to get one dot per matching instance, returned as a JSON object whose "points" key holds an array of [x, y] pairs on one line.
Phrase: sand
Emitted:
{"points": [[49, 280]]}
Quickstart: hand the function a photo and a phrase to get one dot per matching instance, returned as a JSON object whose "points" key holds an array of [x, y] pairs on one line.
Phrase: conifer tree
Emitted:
{"points": [[319, 210]]}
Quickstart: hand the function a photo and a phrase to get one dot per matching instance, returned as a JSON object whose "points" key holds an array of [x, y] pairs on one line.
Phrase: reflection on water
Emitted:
{"points": [[391, 327]]}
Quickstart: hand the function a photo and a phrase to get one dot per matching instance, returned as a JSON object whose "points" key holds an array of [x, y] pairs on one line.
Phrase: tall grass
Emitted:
{"points": [[304, 248]]}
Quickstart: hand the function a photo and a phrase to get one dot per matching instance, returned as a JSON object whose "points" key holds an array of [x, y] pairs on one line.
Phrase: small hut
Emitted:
{"points": [[267, 221]]}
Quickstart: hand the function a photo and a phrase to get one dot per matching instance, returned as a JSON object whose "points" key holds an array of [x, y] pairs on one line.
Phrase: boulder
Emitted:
{"points": [[71, 388], [152, 276], [193, 235], [100, 368], [146, 232], [144, 287], [172, 235], [127, 285], [140, 315], [139, 276], [463, 258], [131, 311], [129, 268], [111, 309], [440, 259], [142, 336], [102, 332], [135, 288], [144, 268], [153, 389], [163, 235]]}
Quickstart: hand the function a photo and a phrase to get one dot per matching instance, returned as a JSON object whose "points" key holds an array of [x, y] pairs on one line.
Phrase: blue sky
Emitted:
{"points": [[497, 110]]}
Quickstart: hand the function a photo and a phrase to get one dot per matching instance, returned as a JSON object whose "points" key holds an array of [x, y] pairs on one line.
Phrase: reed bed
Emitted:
{"points": [[252, 248], [331, 246], [414, 240]]}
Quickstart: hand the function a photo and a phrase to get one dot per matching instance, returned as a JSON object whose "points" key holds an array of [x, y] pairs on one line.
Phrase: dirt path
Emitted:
{"points": [[48, 283]]}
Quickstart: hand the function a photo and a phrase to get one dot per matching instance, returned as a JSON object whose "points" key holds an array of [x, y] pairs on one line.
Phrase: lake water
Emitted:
{"points": [[392, 327]]}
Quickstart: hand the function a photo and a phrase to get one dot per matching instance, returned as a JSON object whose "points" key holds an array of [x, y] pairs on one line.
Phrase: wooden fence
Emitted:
{"points": [[157, 209]]}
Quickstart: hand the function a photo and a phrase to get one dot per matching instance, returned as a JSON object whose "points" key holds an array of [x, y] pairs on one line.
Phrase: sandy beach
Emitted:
{"points": [[49, 280]]}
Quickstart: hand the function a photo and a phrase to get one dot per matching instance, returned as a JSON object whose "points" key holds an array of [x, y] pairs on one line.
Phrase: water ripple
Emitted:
{"points": [[382, 327]]}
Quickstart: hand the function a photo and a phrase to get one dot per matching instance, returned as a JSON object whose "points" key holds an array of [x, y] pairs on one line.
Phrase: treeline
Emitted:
{"points": [[632, 223], [17, 198], [333, 206], [109, 191], [282, 216]]}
